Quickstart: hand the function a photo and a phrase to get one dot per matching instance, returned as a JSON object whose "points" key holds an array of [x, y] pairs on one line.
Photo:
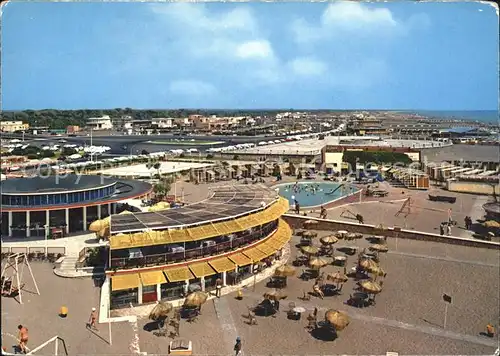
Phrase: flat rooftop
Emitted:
{"points": [[223, 202], [471, 153], [314, 146], [54, 184], [141, 170]]}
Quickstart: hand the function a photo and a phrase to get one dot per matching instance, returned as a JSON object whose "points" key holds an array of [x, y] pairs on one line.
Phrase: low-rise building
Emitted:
{"points": [[13, 126], [100, 123], [72, 129], [162, 122]]}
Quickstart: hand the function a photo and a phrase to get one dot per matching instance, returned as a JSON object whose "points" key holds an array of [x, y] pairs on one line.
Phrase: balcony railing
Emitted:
{"points": [[195, 253]]}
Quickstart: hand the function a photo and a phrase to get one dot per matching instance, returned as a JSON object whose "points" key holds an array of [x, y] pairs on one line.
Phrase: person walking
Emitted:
{"points": [[448, 229], [23, 338], [92, 320], [218, 287], [237, 347], [441, 229]]}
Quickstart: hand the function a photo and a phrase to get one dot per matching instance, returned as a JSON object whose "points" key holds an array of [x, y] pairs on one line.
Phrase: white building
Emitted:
{"points": [[162, 122], [100, 123]]}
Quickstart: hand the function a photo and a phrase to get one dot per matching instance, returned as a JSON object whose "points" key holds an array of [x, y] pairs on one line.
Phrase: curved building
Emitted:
{"points": [[165, 254], [33, 205]]}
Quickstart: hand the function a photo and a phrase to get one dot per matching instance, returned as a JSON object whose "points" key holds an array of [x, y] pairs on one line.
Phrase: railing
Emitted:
{"points": [[54, 339], [199, 252]]}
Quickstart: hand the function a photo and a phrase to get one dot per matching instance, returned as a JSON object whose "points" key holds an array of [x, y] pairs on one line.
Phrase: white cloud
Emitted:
{"points": [[192, 87], [255, 49], [356, 16], [308, 67], [350, 19]]}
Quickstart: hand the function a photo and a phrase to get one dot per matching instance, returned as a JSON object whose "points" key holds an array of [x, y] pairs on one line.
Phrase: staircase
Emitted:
{"points": [[68, 269]]}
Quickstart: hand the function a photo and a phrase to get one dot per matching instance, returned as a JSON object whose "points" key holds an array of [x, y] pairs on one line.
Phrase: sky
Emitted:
{"points": [[337, 55]]}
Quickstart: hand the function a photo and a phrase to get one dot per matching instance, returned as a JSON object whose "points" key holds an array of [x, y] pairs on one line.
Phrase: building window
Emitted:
{"points": [[37, 200]]}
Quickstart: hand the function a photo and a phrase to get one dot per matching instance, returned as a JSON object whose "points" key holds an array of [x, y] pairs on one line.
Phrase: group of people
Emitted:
{"points": [[445, 227]]}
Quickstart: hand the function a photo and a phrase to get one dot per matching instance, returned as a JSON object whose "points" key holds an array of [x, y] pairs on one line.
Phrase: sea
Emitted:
{"points": [[486, 116]]}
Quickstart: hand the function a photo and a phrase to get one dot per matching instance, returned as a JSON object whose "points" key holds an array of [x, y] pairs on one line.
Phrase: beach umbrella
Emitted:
{"points": [[195, 299], [284, 271], [310, 250], [310, 223], [98, 225], [125, 212], [371, 287], [160, 311], [337, 277], [367, 264], [318, 262], [379, 248], [329, 240], [377, 271], [309, 234], [103, 232], [337, 319], [275, 295], [491, 224]]}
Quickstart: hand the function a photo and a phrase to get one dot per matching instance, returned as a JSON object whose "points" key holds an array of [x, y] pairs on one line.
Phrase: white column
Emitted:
{"points": [[186, 287], [224, 279], [9, 221], [114, 208], [139, 297], [109, 209], [99, 211], [66, 212], [158, 292], [47, 218], [28, 222], [202, 280], [84, 218]]}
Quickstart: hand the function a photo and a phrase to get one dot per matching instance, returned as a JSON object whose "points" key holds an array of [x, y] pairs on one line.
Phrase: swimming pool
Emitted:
{"points": [[310, 194]]}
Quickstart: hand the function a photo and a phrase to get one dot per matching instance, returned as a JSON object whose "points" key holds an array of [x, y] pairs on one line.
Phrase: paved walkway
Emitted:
{"points": [[394, 323], [447, 259], [226, 320]]}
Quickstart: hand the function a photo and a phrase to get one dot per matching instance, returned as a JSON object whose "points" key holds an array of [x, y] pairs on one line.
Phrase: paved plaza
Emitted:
{"points": [[407, 317]]}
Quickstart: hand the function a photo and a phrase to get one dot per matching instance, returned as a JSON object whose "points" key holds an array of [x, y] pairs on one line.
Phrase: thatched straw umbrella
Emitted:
{"points": [[491, 224], [308, 224], [309, 250], [104, 232], [318, 262], [275, 295], [350, 236], [337, 277], [284, 271], [337, 319], [371, 287], [98, 225], [309, 234], [195, 299], [160, 311], [329, 240], [379, 248], [367, 264], [377, 272], [125, 212]]}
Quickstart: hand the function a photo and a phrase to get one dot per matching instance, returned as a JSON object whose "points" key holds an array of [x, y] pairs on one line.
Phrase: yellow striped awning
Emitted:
{"points": [[240, 259], [267, 249], [125, 281], [255, 254], [152, 278], [275, 244], [273, 212], [201, 269], [179, 235], [222, 264], [178, 274]]}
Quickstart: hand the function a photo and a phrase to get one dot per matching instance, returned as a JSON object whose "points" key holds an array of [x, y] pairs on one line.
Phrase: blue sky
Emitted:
{"points": [[340, 55]]}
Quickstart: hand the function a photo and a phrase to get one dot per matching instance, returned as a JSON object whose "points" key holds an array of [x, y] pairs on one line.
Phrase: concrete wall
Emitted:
{"points": [[471, 187], [297, 222]]}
